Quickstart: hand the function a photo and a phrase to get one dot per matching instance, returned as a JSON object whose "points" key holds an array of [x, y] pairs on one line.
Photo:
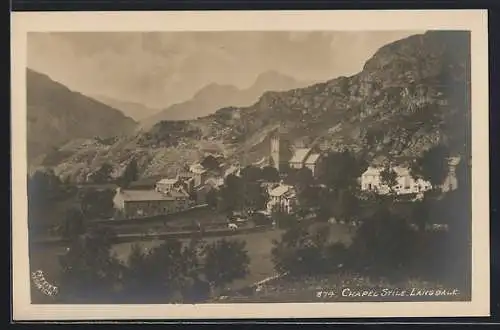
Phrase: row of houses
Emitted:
{"points": [[371, 180], [170, 195], [191, 186]]}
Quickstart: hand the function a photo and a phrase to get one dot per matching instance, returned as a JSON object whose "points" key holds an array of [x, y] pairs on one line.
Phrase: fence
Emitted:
{"points": [[124, 238], [156, 218]]}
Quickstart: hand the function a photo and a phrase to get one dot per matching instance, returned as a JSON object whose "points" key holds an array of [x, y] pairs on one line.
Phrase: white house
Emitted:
{"points": [[282, 198], [371, 181]]}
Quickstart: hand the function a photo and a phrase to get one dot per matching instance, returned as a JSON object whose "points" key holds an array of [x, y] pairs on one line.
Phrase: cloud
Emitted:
{"points": [[161, 68]]}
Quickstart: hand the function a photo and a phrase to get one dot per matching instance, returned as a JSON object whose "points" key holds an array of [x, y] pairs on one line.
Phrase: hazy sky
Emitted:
{"points": [[161, 68]]}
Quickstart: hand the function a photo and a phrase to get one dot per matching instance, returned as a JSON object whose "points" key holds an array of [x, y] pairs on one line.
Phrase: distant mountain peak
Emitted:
{"points": [[211, 88], [215, 96], [272, 76]]}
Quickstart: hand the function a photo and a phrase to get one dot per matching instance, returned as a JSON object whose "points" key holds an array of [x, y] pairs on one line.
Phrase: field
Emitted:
{"points": [[258, 245]]}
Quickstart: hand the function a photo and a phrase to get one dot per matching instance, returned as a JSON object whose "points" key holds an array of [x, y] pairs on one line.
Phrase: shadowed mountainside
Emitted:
{"points": [[57, 115]]}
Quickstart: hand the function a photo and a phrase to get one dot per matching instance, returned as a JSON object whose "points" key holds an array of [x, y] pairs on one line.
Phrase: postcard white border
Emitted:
{"points": [[472, 20]]}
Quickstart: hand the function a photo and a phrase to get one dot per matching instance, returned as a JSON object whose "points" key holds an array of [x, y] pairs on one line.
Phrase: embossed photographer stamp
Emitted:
{"points": [[42, 285]]}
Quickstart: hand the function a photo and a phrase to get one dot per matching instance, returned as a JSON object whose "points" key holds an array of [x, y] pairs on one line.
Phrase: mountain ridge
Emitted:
{"points": [[57, 114], [408, 97], [135, 110], [215, 96]]}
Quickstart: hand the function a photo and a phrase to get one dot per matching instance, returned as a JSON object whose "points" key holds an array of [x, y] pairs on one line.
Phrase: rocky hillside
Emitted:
{"points": [[57, 115], [215, 96], [411, 95]]}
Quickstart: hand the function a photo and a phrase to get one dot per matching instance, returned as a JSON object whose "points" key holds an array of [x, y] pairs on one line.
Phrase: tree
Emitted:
{"points": [[251, 174], [324, 204], [270, 174], [212, 198], [344, 205], [421, 213], [43, 186], [282, 219], [225, 261], [309, 197], [130, 174], [210, 163], [384, 244], [89, 272], [389, 177], [300, 252], [97, 204], [136, 267], [255, 196], [162, 273], [103, 174], [73, 225], [303, 178], [373, 136], [341, 170], [43, 190], [231, 194], [433, 165]]}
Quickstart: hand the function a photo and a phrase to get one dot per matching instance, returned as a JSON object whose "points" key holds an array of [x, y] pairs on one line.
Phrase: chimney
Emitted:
{"points": [[118, 190]]}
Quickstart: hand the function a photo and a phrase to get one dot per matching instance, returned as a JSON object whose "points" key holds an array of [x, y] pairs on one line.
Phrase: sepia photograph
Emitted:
{"points": [[250, 167]]}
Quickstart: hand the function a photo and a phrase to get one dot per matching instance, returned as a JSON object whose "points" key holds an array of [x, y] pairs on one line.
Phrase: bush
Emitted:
{"points": [[300, 252], [225, 261]]}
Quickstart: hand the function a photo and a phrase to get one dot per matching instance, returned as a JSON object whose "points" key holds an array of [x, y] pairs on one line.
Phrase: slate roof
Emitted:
{"points": [[299, 155], [150, 195], [168, 181], [312, 159], [282, 191]]}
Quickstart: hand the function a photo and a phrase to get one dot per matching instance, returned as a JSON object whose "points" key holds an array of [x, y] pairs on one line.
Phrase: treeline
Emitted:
{"points": [[55, 207], [168, 273], [244, 192], [395, 239], [388, 244]]}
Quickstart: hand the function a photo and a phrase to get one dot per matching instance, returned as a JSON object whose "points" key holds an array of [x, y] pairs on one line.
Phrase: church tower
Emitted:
{"points": [[275, 151], [281, 152]]}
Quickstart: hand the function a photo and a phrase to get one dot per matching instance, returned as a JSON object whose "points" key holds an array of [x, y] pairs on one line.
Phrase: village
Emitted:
{"points": [[199, 184], [260, 206]]}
